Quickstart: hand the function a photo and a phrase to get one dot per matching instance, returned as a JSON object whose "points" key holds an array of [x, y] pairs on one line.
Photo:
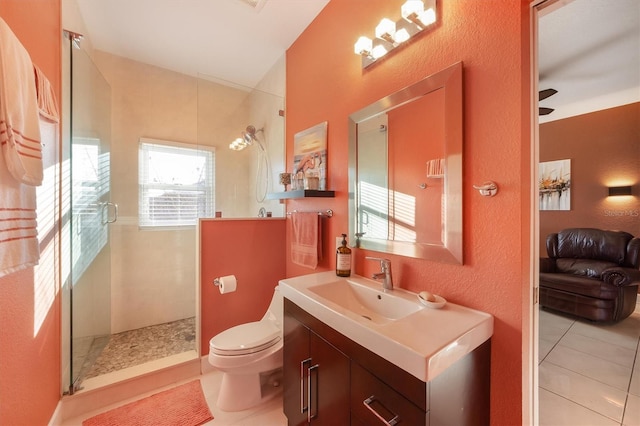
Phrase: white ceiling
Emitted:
{"points": [[227, 40], [589, 50]]}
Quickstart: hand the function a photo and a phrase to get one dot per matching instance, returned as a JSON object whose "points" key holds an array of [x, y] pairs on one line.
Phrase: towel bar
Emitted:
{"points": [[327, 213]]}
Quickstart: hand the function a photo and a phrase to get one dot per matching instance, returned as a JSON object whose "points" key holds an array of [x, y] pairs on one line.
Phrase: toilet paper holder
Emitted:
{"points": [[217, 281], [226, 284]]}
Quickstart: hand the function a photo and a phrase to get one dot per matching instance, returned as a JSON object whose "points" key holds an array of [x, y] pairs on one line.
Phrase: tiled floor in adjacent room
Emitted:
{"points": [[589, 373]]}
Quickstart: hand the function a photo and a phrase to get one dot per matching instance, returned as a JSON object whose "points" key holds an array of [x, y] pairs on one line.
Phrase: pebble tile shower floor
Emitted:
{"points": [[136, 347]]}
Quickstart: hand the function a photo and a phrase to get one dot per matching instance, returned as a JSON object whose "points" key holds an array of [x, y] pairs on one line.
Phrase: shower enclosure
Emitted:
{"points": [[122, 276], [90, 208]]}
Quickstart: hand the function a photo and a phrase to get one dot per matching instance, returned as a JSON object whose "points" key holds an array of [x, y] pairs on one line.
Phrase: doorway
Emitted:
{"points": [[557, 337]]}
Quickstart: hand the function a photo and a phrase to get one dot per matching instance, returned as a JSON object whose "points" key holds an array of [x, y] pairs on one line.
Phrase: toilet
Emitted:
{"points": [[250, 357]]}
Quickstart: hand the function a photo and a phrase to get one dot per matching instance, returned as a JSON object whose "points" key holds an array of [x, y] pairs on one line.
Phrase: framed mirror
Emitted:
{"points": [[405, 171]]}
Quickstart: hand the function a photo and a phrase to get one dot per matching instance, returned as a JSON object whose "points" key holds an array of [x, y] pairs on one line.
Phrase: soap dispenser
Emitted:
{"points": [[343, 259]]}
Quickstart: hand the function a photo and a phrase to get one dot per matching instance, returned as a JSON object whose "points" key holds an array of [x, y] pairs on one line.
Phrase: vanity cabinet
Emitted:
{"points": [[350, 384], [316, 378], [373, 401]]}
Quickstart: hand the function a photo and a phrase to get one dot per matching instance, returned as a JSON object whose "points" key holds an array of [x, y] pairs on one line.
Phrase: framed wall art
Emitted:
{"points": [[555, 185], [310, 158]]}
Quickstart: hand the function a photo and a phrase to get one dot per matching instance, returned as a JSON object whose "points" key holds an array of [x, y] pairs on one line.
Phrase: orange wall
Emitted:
{"points": [[604, 151], [325, 82], [253, 251], [30, 365]]}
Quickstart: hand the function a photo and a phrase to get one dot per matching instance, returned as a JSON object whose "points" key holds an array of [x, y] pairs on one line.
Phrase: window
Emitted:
{"points": [[176, 183]]}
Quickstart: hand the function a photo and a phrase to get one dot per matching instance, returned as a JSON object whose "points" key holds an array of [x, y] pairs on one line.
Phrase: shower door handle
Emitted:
{"points": [[106, 209]]}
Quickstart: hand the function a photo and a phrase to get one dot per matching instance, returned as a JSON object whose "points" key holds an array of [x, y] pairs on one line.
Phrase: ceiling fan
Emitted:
{"points": [[544, 94]]}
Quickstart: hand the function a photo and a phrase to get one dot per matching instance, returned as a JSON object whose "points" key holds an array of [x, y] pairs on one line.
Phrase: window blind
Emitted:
{"points": [[176, 183]]}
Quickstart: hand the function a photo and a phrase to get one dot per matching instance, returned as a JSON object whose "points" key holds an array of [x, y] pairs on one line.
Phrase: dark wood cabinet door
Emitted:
{"points": [[316, 378], [295, 352], [374, 402], [329, 384]]}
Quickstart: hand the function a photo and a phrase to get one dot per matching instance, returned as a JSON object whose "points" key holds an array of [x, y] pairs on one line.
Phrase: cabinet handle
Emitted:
{"points": [[303, 408], [367, 403], [309, 393]]}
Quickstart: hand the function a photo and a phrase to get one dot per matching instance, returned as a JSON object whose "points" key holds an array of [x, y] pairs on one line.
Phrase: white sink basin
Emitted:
{"points": [[394, 325], [367, 299]]}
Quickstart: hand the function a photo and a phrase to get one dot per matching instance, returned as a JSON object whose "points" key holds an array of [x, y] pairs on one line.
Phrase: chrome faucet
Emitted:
{"points": [[384, 274]]}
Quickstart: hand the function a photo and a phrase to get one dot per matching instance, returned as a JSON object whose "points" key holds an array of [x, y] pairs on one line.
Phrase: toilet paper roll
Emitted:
{"points": [[227, 284]]}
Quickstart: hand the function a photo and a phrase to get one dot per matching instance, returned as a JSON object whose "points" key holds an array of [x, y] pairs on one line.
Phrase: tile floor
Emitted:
{"points": [[135, 347], [589, 374]]}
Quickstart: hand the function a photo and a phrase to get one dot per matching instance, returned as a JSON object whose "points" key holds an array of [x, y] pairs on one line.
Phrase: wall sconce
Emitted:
{"points": [[416, 16], [619, 190]]}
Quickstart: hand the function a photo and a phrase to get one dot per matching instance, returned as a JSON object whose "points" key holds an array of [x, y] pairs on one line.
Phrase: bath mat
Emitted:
{"points": [[183, 405]]}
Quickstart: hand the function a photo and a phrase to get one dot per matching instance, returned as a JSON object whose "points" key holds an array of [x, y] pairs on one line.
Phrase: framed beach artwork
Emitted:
{"points": [[310, 157], [555, 185]]}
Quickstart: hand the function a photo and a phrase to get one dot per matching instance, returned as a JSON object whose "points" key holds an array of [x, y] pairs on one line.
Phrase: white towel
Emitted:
{"points": [[47, 103], [20, 140], [49, 119], [18, 233], [19, 126]]}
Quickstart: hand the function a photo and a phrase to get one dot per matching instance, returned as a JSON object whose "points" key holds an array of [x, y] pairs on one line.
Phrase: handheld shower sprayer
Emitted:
{"points": [[263, 172], [248, 137]]}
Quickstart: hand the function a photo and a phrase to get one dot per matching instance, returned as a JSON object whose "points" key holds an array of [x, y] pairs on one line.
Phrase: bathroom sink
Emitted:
{"points": [[393, 324], [368, 301]]}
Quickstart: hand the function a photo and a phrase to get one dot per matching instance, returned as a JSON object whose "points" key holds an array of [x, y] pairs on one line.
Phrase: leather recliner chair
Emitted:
{"points": [[591, 273]]}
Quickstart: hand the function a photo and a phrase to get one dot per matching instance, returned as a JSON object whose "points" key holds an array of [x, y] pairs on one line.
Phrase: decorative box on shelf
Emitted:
{"points": [[299, 193]]}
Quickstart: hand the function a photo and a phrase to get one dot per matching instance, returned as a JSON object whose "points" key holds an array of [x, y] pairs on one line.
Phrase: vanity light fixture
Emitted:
{"points": [[619, 190], [416, 16]]}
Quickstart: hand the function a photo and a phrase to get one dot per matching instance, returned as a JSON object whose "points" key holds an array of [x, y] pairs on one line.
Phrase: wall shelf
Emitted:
{"points": [[300, 193]]}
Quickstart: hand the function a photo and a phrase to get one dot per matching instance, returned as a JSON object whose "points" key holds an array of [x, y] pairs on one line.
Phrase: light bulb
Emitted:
{"points": [[427, 17], [411, 9], [401, 36], [363, 46], [386, 29], [378, 51]]}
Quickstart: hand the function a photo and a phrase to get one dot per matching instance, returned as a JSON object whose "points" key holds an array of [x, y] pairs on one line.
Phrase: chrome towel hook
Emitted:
{"points": [[487, 189]]}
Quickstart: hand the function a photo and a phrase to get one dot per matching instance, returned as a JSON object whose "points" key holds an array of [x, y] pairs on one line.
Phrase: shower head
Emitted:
{"points": [[249, 135], [252, 129], [247, 139]]}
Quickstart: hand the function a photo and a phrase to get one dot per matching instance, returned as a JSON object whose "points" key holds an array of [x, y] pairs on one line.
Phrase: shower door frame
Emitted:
{"points": [[89, 209]]}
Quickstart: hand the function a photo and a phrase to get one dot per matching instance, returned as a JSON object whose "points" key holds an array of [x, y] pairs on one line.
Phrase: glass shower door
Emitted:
{"points": [[91, 213]]}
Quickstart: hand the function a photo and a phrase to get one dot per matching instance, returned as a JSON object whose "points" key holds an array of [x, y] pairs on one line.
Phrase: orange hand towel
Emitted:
{"points": [[306, 244]]}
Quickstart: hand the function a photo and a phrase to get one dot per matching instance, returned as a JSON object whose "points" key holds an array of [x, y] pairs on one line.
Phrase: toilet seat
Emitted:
{"points": [[245, 338]]}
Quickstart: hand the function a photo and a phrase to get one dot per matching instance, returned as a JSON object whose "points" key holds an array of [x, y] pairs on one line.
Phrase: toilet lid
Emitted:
{"points": [[245, 338]]}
